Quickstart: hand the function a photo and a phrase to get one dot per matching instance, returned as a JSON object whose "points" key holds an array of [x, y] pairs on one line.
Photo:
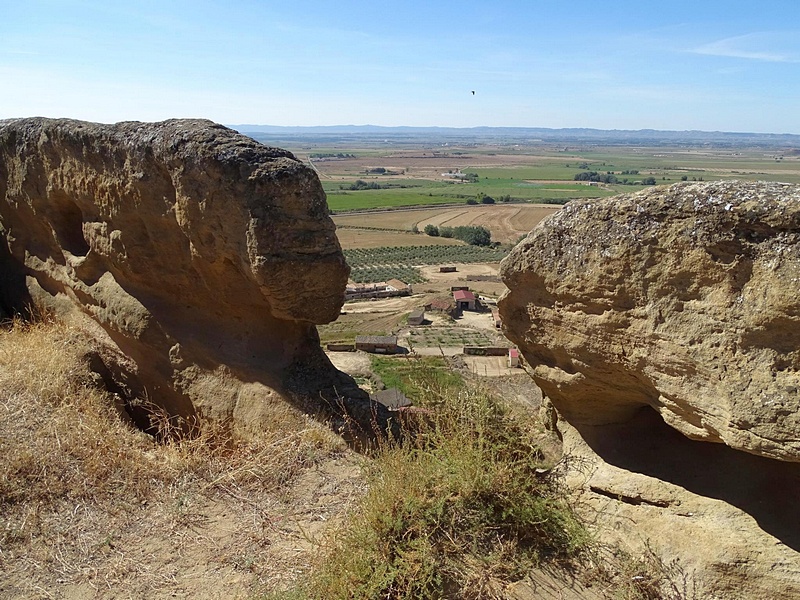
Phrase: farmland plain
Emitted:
{"points": [[437, 174]]}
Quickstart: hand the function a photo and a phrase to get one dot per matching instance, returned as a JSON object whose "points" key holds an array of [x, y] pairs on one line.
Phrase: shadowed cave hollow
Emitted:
{"points": [[764, 488]]}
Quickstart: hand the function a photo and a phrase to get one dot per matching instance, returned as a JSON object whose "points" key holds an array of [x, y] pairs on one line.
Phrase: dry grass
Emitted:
{"points": [[90, 507]]}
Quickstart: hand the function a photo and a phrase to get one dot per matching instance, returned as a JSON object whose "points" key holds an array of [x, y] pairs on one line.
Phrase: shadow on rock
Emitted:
{"points": [[764, 488]]}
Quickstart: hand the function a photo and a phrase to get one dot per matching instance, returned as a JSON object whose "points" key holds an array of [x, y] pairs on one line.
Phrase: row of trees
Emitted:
{"points": [[609, 177], [471, 234], [360, 184]]}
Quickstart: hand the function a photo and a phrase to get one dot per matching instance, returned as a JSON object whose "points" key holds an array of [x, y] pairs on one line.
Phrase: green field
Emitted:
{"points": [[343, 201], [542, 176], [435, 194]]}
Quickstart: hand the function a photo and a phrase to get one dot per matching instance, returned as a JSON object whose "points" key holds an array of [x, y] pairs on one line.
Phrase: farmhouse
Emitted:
{"points": [[465, 300], [443, 304], [383, 289], [379, 344], [395, 285]]}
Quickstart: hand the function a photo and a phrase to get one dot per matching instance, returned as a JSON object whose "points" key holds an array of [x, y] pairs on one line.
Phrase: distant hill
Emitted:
{"points": [[648, 137]]}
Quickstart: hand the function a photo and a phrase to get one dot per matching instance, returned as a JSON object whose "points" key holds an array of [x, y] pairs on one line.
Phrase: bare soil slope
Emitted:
{"points": [[91, 508]]}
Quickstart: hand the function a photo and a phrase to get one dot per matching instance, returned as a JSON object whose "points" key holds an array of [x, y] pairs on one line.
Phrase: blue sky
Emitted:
{"points": [[708, 65]]}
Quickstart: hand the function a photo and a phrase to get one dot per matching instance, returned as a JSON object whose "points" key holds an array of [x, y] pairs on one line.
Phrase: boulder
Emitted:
{"points": [[201, 258], [683, 299], [654, 322]]}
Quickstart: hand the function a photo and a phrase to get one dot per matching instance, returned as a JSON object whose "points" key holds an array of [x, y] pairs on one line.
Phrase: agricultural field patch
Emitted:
{"points": [[350, 237], [374, 274], [371, 265], [507, 222], [386, 219], [422, 255], [447, 337], [349, 325]]}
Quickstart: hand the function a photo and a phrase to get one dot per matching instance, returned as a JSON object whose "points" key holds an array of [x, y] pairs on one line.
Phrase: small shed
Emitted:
{"points": [[513, 357], [465, 300], [393, 399], [417, 317], [447, 269], [379, 344]]}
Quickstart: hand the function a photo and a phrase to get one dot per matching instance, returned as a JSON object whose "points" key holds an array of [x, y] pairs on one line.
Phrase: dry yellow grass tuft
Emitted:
{"points": [[90, 507]]}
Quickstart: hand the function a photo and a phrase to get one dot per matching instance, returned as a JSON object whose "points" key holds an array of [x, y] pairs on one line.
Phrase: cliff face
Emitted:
{"points": [[675, 310], [684, 299], [205, 257]]}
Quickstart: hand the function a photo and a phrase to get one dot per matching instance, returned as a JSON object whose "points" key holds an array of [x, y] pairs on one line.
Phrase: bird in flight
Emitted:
{"points": [[473, 92]]}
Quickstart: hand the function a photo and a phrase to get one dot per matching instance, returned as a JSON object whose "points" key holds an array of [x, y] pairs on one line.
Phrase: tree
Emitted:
{"points": [[487, 200], [431, 230]]}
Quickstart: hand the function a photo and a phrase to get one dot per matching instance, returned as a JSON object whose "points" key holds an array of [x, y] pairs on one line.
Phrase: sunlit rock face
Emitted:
{"points": [[205, 257], [655, 322], [685, 299]]}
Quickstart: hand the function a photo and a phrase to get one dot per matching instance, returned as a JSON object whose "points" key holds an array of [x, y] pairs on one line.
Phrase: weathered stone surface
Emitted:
{"points": [[206, 257], [704, 520], [655, 322], [685, 299]]}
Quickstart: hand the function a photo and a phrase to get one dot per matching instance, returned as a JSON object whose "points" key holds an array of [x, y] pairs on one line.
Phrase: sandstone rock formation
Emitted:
{"points": [[205, 257], [666, 312], [684, 299]]}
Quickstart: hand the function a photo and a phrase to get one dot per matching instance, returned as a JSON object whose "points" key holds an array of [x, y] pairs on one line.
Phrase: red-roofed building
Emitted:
{"points": [[465, 300], [513, 357]]}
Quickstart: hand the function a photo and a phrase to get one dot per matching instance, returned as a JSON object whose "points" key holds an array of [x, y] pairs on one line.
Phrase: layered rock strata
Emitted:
{"points": [[205, 257]]}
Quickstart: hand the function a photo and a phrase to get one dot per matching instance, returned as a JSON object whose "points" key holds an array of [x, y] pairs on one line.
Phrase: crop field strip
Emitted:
{"points": [[371, 265]]}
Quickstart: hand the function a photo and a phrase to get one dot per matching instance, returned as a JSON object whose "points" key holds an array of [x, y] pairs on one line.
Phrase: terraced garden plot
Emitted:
{"points": [[432, 336]]}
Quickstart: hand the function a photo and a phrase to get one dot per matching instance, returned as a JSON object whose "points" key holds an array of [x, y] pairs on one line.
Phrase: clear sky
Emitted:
{"points": [[672, 64]]}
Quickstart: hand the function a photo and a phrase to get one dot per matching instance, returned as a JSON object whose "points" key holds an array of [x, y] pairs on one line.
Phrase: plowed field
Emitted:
{"points": [[507, 222]]}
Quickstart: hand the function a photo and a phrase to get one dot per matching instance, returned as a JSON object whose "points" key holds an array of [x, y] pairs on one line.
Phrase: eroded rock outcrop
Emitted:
{"points": [[655, 322], [205, 257], [685, 299]]}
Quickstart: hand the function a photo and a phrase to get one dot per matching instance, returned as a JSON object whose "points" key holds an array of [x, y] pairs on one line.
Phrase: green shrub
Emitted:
{"points": [[456, 510]]}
